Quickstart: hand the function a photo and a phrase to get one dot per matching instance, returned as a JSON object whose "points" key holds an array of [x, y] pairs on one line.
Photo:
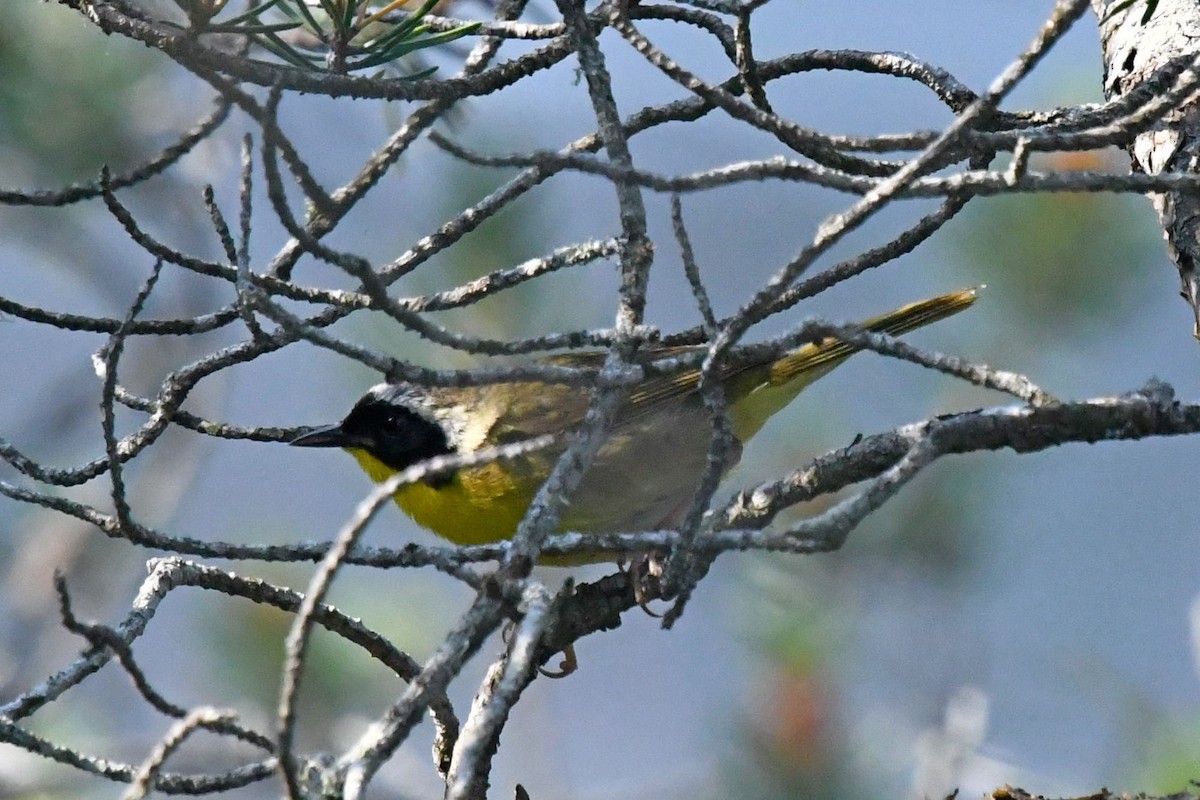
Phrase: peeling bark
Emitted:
{"points": [[1134, 50]]}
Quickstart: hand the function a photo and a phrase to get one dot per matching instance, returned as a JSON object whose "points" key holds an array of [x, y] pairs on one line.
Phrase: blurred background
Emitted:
{"points": [[1024, 620]]}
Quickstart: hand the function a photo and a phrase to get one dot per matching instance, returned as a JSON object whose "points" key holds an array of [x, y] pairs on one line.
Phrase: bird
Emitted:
{"points": [[644, 475]]}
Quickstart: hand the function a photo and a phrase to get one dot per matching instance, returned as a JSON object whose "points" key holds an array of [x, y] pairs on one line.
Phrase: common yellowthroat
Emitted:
{"points": [[645, 473]]}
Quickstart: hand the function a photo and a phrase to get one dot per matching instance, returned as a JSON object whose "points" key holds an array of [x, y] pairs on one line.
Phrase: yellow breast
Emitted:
{"points": [[477, 506]]}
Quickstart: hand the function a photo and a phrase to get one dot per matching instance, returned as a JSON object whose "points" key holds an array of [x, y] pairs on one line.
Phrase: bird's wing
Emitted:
{"points": [[656, 390], [543, 408]]}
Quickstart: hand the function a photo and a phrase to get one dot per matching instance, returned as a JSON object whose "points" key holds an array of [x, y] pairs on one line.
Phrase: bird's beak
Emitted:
{"points": [[333, 436]]}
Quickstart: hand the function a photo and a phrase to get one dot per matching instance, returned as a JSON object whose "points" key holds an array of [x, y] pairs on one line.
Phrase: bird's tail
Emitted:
{"points": [[830, 352], [766, 392]]}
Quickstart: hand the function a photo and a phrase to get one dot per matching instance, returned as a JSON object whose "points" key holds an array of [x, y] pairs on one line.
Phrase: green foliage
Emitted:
{"points": [[1117, 8], [1073, 256], [342, 36], [55, 99], [1172, 759]]}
